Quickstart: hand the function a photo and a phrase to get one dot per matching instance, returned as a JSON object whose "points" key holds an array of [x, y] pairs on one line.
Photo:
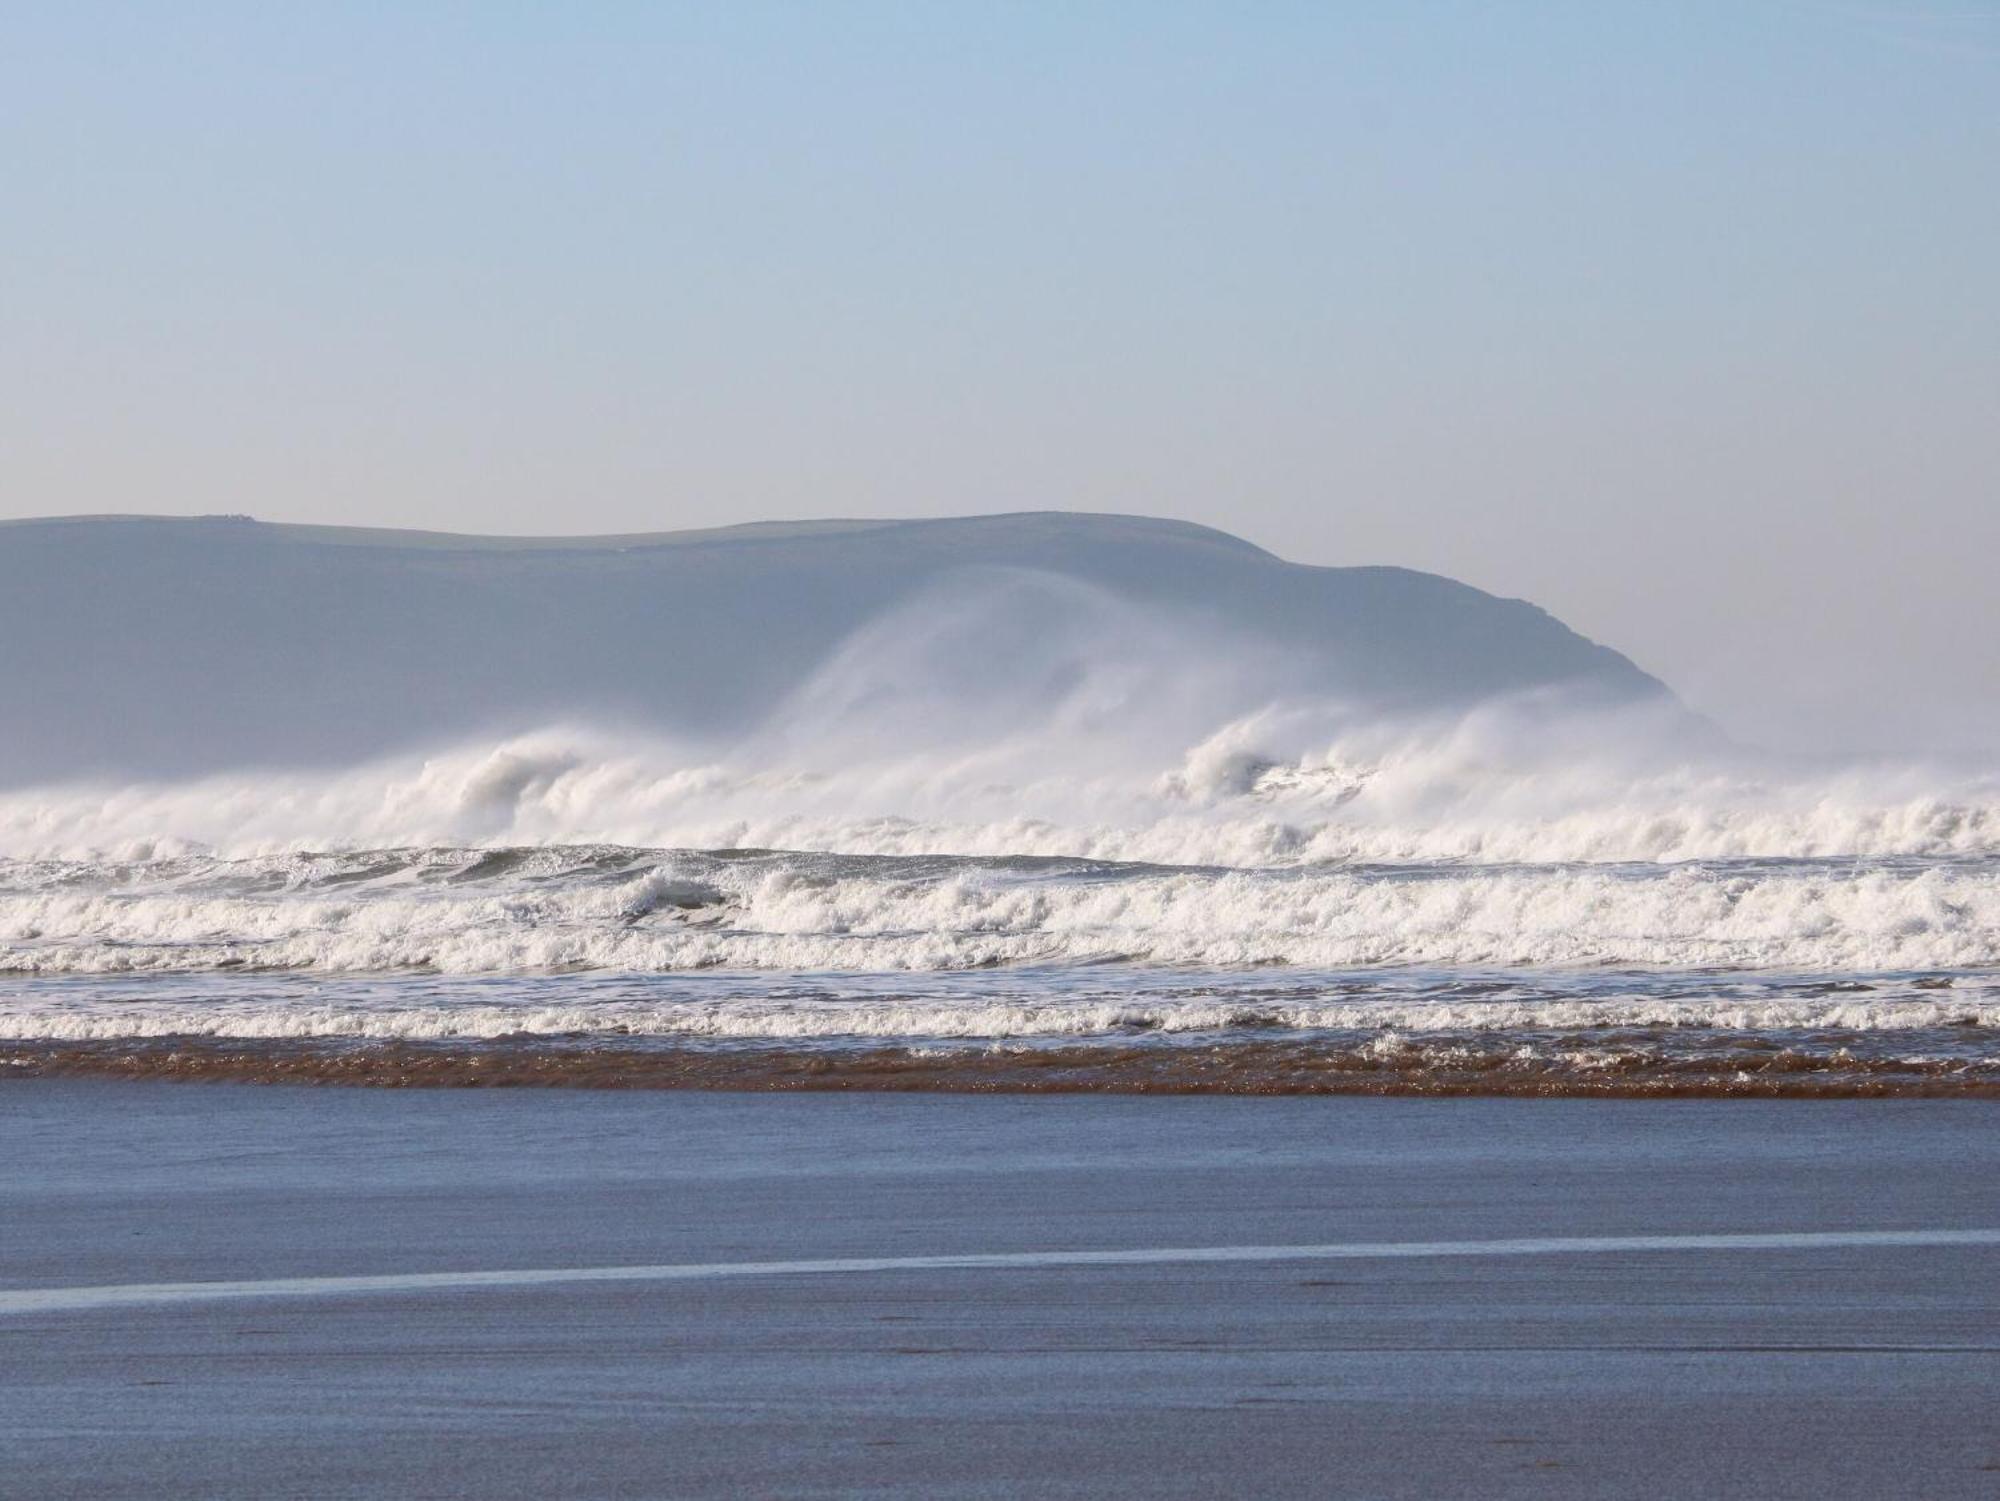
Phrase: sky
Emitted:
{"points": [[1681, 320]]}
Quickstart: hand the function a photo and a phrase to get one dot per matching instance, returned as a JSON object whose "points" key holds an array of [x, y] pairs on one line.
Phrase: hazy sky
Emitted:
{"points": [[1682, 320]]}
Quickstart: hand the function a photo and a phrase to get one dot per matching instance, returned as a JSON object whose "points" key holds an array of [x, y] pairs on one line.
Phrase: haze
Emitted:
{"points": [[1679, 321]]}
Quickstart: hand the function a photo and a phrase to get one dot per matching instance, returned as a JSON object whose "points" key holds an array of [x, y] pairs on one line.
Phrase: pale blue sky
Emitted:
{"points": [[1682, 320]]}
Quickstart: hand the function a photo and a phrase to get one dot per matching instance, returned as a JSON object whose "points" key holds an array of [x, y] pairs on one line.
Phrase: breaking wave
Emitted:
{"points": [[1144, 856], [1276, 788], [611, 908], [1023, 1010]]}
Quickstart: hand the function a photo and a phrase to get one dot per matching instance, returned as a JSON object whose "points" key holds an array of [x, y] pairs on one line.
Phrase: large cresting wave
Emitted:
{"points": [[1016, 713]]}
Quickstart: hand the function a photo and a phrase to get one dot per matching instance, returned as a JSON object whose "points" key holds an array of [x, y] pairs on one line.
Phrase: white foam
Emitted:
{"points": [[41, 1019], [649, 912], [1279, 787]]}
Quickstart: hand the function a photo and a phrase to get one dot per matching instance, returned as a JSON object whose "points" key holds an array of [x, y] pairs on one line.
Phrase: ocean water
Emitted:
{"points": [[1429, 920]]}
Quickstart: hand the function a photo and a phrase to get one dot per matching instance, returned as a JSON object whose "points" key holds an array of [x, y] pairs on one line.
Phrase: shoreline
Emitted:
{"points": [[1492, 1068]]}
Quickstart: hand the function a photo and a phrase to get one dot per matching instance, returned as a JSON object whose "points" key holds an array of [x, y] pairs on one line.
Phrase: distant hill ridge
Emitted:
{"points": [[1078, 522], [148, 645]]}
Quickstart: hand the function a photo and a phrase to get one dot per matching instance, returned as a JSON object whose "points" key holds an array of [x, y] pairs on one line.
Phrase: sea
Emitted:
{"points": [[1451, 910]]}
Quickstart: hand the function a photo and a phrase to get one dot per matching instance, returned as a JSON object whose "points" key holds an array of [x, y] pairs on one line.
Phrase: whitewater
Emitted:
{"points": [[1505, 902], [567, 908]]}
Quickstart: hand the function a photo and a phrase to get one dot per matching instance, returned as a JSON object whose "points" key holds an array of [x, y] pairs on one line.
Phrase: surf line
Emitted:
{"points": [[28, 1300]]}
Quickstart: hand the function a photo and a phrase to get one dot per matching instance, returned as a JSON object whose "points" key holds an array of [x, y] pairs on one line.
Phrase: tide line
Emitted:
{"points": [[31, 1300]]}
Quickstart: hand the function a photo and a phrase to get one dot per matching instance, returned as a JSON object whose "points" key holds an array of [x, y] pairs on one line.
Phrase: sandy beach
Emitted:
{"points": [[973, 1296]]}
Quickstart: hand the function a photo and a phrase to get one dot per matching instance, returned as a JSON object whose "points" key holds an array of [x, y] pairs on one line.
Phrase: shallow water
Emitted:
{"points": [[998, 1296], [603, 964]]}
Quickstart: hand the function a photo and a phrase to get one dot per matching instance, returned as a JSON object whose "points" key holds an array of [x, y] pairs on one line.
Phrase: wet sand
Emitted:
{"points": [[1000, 1296], [1671, 1063]]}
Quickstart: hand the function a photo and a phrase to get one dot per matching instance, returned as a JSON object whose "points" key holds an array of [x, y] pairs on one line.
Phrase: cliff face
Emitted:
{"points": [[164, 646]]}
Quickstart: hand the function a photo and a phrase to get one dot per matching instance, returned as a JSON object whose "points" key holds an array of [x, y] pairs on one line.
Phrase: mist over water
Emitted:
{"points": [[1020, 713]]}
